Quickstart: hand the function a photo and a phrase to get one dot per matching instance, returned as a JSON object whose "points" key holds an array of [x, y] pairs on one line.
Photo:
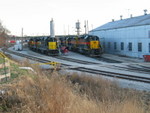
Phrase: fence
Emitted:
{"points": [[4, 68]]}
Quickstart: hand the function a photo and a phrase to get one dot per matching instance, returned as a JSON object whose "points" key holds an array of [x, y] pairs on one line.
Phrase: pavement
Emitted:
{"points": [[124, 59]]}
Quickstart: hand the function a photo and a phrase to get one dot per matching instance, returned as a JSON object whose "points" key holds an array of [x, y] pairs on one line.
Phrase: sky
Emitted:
{"points": [[34, 15]]}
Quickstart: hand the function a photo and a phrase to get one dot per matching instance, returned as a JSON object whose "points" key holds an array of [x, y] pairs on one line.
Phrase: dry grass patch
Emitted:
{"points": [[43, 95], [53, 93]]}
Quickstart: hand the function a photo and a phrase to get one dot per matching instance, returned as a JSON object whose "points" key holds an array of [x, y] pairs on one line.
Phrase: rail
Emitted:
{"points": [[93, 71]]}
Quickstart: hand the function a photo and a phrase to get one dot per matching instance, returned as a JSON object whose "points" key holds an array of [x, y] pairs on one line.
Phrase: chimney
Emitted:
{"points": [[145, 12], [121, 17]]}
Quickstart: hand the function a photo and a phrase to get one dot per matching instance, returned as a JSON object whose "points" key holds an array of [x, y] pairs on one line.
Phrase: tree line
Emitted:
{"points": [[3, 35]]}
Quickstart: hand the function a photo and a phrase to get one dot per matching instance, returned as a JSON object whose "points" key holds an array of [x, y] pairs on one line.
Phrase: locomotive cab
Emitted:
{"points": [[94, 42], [92, 45], [52, 46]]}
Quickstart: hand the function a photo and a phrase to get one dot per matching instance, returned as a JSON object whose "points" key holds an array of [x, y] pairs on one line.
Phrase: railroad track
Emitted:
{"points": [[57, 57], [76, 60], [31, 57], [114, 74], [146, 69], [130, 68], [108, 60], [141, 69], [89, 70]]}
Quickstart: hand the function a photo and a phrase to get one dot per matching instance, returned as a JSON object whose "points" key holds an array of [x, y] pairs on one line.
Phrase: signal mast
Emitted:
{"points": [[78, 28]]}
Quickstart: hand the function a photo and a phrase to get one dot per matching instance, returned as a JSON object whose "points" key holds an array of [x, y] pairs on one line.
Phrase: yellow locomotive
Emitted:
{"points": [[46, 45], [85, 44]]}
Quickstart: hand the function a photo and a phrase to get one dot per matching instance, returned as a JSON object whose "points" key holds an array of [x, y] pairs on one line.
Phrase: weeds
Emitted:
{"points": [[49, 92]]}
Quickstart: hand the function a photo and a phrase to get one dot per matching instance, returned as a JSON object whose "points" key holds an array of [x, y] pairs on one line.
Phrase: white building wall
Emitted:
{"points": [[134, 35]]}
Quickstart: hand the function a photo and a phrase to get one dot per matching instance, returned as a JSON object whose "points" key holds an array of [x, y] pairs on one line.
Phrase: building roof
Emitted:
{"points": [[129, 22]]}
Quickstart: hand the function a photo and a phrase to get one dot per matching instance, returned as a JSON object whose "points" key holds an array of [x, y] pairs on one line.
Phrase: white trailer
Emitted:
{"points": [[18, 46]]}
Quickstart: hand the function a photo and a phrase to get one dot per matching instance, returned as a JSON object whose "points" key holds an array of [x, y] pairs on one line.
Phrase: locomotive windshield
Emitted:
{"points": [[51, 39], [94, 38], [90, 37]]}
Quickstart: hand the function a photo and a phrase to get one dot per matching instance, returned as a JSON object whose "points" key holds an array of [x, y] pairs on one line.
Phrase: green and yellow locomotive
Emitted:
{"points": [[85, 44], [46, 45]]}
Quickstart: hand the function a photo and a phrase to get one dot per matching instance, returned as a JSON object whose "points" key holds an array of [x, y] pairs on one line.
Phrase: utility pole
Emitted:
{"points": [[68, 29], [22, 38], [92, 28], [85, 26]]}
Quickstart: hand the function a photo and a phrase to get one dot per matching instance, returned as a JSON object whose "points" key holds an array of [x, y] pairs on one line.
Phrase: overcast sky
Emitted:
{"points": [[34, 15]]}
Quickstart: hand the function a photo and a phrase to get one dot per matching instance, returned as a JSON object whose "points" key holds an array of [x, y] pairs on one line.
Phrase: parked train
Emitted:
{"points": [[46, 45], [85, 44]]}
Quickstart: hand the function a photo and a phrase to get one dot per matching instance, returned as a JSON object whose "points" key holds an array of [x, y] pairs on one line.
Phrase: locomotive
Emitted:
{"points": [[46, 45], [85, 44]]}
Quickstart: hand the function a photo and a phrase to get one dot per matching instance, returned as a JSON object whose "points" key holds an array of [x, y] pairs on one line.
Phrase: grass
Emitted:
{"points": [[1, 60], [4, 70], [51, 92], [16, 72]]}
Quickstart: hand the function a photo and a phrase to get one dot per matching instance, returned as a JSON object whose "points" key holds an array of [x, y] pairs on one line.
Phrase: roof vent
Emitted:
{"points": [[145, 12], [131, 16], [113, 20], [121, 17]]}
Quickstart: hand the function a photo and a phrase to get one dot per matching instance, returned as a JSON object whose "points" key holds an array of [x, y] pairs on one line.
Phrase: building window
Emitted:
{"points": [[115, 45], [109, 45], [149, 47], [139, 47], [149, 34], [130, 46], [122, 46]]}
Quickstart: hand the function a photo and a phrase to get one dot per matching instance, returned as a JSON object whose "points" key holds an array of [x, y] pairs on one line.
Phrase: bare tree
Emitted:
{"points": [[3, 35], [3, 29]]}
